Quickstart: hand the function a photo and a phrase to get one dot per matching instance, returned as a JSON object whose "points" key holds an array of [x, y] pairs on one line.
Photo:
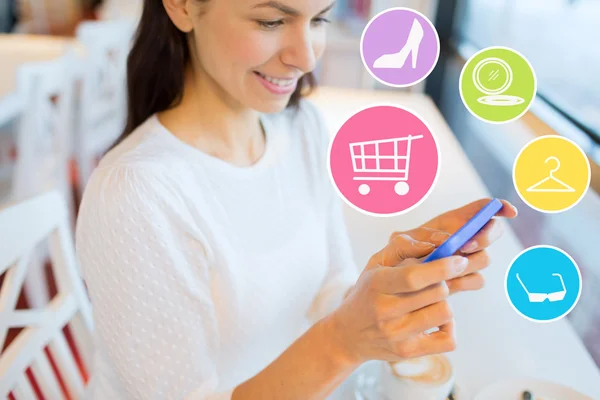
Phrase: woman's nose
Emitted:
{"points": [[301, 50]]}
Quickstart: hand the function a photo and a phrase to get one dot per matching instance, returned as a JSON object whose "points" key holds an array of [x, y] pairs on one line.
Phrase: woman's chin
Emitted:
{"points": [[273, 106]]}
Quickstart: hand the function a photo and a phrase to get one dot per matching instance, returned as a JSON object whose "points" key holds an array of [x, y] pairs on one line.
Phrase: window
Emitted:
{"points": [[559, 37]]}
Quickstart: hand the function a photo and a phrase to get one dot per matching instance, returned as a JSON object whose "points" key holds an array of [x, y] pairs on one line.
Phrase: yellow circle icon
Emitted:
{"points": [[551, 174]]}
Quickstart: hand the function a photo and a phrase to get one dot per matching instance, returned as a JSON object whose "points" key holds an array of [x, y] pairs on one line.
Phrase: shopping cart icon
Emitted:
{"points": [[394, 170]]}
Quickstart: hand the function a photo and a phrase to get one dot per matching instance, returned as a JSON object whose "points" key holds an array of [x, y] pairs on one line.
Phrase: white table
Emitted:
{"points": [[493, 341]]}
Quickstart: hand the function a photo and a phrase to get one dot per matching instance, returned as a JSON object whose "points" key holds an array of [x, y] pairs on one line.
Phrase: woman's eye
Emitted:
{"points": [[270, 24], [320, 21]]}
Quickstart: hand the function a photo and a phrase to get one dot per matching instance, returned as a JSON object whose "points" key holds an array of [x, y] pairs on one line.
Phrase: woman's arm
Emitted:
{"points": [[311, 368], [149, 283], [148, 278]]}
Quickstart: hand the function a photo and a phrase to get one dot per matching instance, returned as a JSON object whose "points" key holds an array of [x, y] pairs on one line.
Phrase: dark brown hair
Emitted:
{"points": [[156, 64]]}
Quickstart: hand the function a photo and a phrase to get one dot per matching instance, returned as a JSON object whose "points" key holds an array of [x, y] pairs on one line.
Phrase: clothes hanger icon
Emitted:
{"points": [[540, 297], [565, 188]]}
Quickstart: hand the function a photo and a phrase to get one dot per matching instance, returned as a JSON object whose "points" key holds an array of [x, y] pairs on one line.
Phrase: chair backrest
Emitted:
{"points": [[18, 49], [8, 124], [22, 226], [15, 51], [103, 102], [45, 132]]}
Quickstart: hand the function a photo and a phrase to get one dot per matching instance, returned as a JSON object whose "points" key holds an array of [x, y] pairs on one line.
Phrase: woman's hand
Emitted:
{"points": [[452, 220], [441, 227], [396, 299], [386, 314]]}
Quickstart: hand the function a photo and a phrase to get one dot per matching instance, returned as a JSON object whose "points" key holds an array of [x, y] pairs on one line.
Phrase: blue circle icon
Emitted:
{"points": [[543, 283]]}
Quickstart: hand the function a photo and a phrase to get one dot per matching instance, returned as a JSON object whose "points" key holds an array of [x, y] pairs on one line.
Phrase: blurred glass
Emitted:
{"points": [[559, 37], [6, 15]]}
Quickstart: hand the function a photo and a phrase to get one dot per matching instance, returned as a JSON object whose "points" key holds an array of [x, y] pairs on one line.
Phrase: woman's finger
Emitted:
{"points": [[477, 262], [425, 234], [441, 341], [399, 248], [470, 282], [491, 232], [415, 277], [419, 321], [401, 304], [507, 211]]}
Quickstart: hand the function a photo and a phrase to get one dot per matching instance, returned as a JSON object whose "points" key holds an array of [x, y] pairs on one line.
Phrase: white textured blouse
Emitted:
{"points": [[200, 272]]}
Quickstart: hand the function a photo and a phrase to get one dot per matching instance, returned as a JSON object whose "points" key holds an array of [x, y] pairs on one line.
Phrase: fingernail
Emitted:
{"points": [[469, 247], [423, 245], [515, 208], [496, 233], [460, 264]]}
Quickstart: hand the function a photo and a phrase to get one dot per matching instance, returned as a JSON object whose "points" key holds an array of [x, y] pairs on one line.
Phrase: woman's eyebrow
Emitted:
{"points": [[287, 9]]}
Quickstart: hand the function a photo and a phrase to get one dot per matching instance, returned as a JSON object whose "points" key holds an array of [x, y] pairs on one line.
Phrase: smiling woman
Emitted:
{"points": [[211, 240], [248, 53]]}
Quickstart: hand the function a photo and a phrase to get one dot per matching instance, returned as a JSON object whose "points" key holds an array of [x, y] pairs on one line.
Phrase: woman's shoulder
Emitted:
{"points": [[147, 144], [139, 171]]}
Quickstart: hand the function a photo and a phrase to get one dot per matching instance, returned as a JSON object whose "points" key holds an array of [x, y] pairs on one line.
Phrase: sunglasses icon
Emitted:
{"points": [[540, 297]]}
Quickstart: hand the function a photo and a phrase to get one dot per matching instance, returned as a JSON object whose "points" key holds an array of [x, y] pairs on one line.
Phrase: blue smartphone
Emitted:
{"points": [[466, 232]]}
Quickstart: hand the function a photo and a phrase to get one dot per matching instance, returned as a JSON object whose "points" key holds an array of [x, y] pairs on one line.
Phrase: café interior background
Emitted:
{"points": [[559, 37]]}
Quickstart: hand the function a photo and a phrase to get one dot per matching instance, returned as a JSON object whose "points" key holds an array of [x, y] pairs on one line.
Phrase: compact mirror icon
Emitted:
{"points": [[540, 297], [485, 76]]}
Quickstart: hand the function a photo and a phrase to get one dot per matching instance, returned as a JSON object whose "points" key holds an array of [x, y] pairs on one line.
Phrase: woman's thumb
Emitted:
{"points": [[401, 247]]}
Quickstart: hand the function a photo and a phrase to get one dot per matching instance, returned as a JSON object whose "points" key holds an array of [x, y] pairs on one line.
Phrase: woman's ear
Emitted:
{"points": [[178, 11]]}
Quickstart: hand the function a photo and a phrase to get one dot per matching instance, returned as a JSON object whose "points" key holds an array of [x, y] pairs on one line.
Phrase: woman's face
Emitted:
{"points": [[254, 51]]}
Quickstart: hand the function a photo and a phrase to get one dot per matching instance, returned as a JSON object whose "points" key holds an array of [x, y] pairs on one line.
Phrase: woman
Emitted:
{"points": [[210, 237]]}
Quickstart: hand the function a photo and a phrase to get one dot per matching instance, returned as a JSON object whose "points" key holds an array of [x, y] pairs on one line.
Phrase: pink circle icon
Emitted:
{"points": [[384, 160]]}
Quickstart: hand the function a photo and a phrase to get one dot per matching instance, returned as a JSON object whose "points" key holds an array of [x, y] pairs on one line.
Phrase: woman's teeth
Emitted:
{"points": [[278, 82]]}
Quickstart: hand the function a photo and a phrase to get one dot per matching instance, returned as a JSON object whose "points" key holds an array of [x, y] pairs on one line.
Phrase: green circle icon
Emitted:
{"points": [[497, 85]]}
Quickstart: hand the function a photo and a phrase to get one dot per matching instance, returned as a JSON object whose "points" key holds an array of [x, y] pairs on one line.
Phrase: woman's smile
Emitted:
{"points": [[277, 85]]}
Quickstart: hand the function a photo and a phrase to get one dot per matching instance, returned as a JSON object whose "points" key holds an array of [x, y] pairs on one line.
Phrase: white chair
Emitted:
{"points": [[22, 227], [45, 132], [15, 51], [103, 99], [44, 146], [8, 122]]}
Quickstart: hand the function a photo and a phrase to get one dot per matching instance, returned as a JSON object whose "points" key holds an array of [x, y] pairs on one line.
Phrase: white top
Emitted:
{"points": [[201, 273]]}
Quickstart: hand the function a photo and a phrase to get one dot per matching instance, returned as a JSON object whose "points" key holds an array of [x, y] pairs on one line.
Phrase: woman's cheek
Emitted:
{"points": [[319, 46], [255, 49]]}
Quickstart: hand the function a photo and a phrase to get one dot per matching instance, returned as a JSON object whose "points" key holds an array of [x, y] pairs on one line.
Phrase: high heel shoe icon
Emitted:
{"points": [[397, 60]]}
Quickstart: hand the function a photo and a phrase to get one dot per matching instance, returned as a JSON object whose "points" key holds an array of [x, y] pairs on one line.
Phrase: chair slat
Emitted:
{"points": [[23, 225], [23, 318], [9, 292], [23, 390], [83, 341], [46, 378], [31, 341], [21, 228], [66, 365]]}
